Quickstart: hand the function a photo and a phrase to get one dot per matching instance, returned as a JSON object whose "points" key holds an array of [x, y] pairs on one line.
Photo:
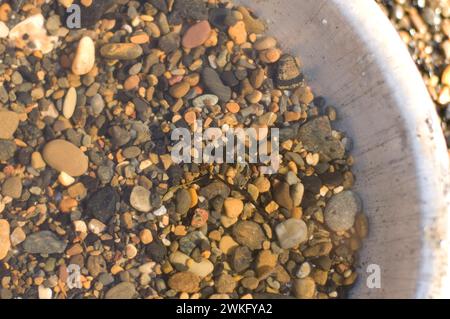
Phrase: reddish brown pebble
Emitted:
{"points": [[196, 35], [200, 218]]}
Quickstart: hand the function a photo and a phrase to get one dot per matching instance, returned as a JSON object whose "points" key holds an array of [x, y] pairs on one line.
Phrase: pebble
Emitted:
{"points": [[225, 284], [124, 290], [179, 90], [70, 102], [9, 122], [227, 244], [12, 187], [131, 251], [184, 282], [215, 189], [169, 42], [265, 263], [5, 243], [249, 234], [18, 236], [121, 51], [7, 150], [341, 210], [183, 201], [102, 204], [241, 259], [44, 292], [297, 192], [132, 83], [265, 43], [233, 207], [84, 59], [146, 236], [316, 136], [304, 288], [96, 265], [281, 195], [215, 85], [204, 100], [4, 30], [196, 35], [200, 218], [291, 233], [140, 199], [288, 75], [65, 157], [251, 24], [44, 242], [37, 162]]}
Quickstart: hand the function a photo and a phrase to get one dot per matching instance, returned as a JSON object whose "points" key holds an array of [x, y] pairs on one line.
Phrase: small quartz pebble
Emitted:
{"points": [[70, 102], [341, 211], [196, 35], [4, 30], [65, 157], [5, 243], [84, 59], [44, 293], [9, 122], [291, 233], [140, 199]]}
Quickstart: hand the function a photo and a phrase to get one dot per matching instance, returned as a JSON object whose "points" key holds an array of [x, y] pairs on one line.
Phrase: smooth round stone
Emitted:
{"points": [[5, 243], [9, 122], [341, 210], [124, 290], [184, 282], [12, 187], [140, 199], [65, 157], [196, 35], [84, 59], [97, 104], [179, 90], [121, 51], [233, 207], [249, 234], [205, 99], [305, 288], [70, 102], [291, 233]]}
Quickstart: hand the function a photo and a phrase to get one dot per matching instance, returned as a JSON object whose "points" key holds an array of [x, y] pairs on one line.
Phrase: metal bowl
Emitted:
{"points": [[355, 59]]}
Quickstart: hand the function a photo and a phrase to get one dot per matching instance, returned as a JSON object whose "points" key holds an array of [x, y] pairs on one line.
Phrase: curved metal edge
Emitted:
{"points": [[431, 159]]}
